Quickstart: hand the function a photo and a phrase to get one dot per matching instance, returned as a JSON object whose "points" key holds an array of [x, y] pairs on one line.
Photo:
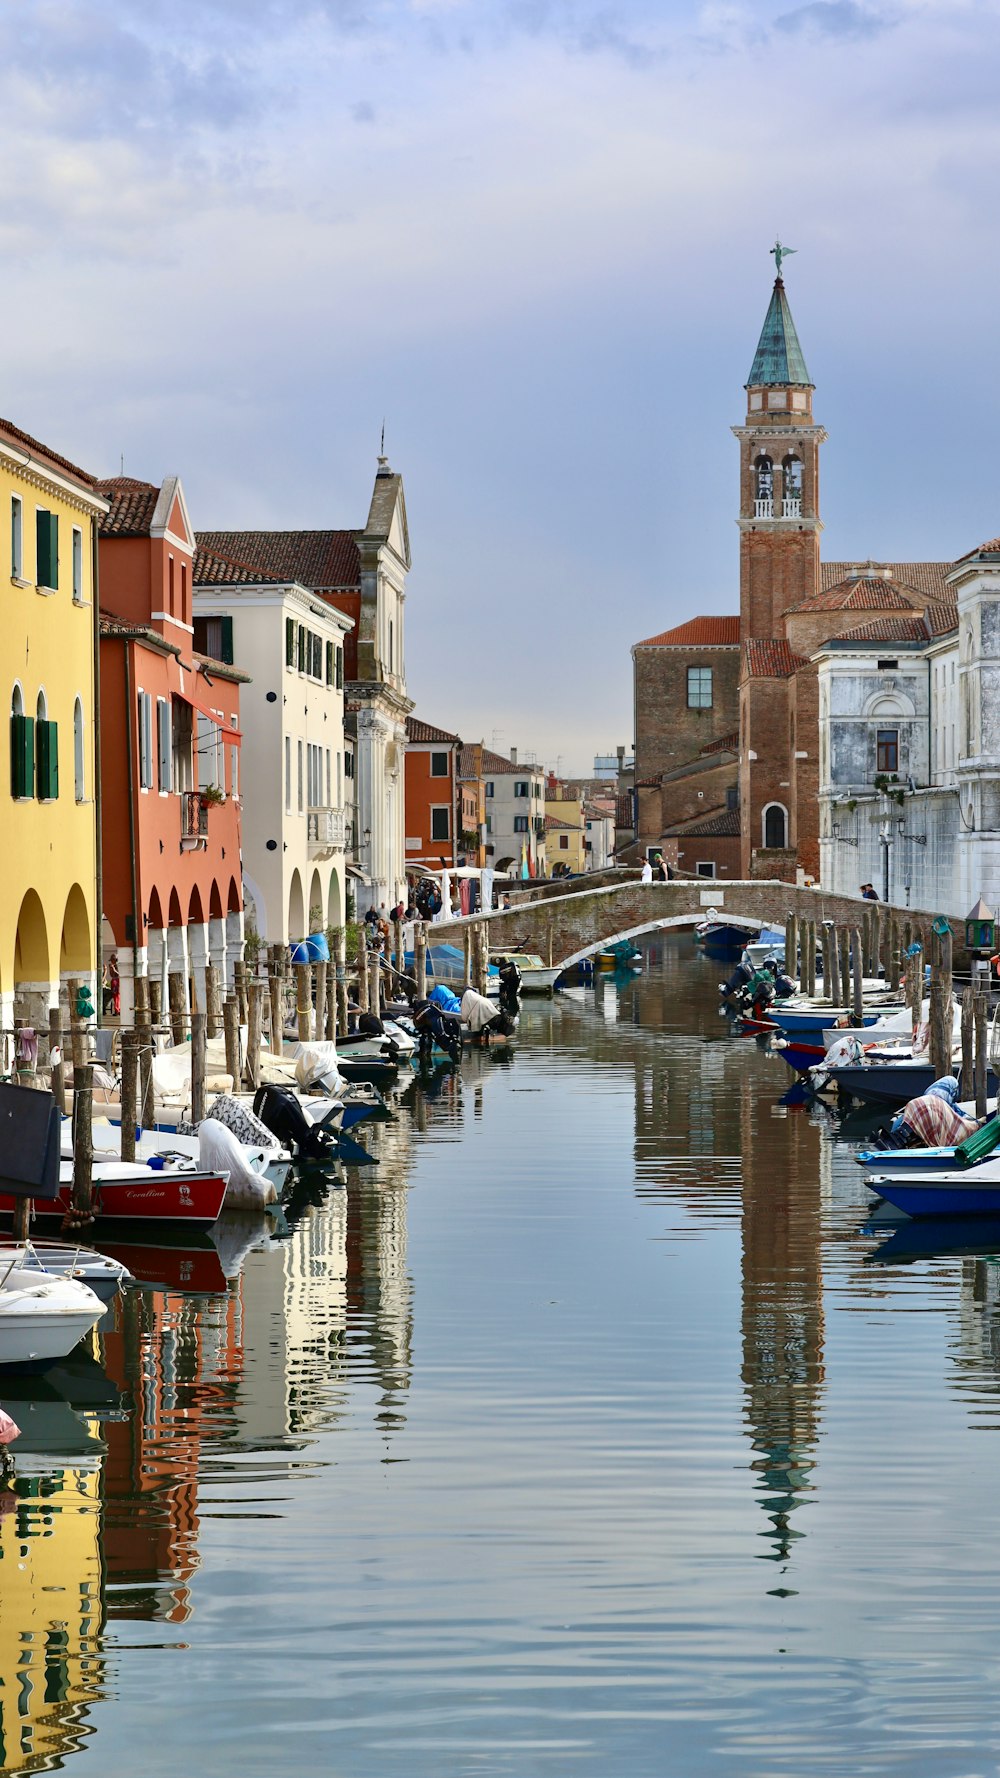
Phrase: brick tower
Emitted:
{"points": [[779, 478]]}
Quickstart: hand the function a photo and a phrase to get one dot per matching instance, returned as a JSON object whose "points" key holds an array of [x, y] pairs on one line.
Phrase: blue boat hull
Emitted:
{"points": [[808, 1024], [909, 1160], [926, 1197], [725, 944]]}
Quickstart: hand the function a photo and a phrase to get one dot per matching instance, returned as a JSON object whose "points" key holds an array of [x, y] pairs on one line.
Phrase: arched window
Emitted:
{"points": [[791, 472], [22, 748], [46, 753], [763, 488], [775, 827], [79, 782]]}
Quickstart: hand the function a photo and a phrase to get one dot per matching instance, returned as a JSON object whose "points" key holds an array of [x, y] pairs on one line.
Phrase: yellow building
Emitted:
{"points": [[565, 833], [48, 886]]}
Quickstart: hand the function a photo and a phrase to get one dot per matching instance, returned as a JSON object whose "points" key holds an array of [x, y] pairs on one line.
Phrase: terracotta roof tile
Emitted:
{"points": [[717, 824], [767, 659], [552, 821], [698, 632], [213, 569], [865, 593], [496, 765], [11, 434], [326, 561], [132, 506], [419, 732], [939, 621], [927, 578], [727, 744]]}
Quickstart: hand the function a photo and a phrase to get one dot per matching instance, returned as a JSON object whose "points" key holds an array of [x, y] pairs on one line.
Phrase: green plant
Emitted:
{"points": [[211, 794], [887, 784]]}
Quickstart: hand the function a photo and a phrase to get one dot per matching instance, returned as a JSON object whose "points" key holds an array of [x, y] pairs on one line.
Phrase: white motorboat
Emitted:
{"points": [[43, 1317], [536, 977], [62, 1259]]}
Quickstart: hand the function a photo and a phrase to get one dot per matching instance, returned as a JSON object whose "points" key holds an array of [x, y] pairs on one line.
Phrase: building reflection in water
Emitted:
{"points": [[705, 1132]]}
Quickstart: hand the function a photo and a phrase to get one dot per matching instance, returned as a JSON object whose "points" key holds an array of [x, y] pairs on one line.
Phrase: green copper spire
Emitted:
{"points": [[778, 359]]}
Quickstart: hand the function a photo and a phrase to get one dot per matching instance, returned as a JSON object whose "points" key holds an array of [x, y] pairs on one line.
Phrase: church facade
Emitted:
{"points": [[727, 708]]}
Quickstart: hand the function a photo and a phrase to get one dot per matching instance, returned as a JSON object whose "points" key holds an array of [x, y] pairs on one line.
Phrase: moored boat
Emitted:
{"points": [[42, 1317]]}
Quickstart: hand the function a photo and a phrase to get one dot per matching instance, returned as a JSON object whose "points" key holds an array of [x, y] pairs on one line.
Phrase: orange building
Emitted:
{"points": [[433, 808], [170, 748]]}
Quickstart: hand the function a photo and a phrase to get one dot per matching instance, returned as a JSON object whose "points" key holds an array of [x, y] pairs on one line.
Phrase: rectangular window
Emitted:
{"points": [[564, 842], [520, 823], [22, 756], [340, 787], [16, 539], [289, 642], [439, 765], [302, 649], [489, 788], [440, 824], [182, 738], [144, 713], [316, 666], [164, 747], [329, 663], [170, 586], [340, 669], [288, 774], [46, 549], [699, 688], [733, 796], [489, 824], [521, 787], [348, 765], [208, 760], [329, 786], [706, 868], [887, 750], [234, 772], [77, 565], [184, 593], [301, 783]]}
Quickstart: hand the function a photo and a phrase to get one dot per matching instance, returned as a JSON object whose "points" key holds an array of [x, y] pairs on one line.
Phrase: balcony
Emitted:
{"points": [[791, 509], [763, 509], [326, 832], [194, 821]]}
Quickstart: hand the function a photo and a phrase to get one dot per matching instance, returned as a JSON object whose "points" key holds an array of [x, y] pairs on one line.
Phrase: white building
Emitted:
{"points": [[914, 703], [599, 835], [363, 574], [296, 791], [515, 812]]}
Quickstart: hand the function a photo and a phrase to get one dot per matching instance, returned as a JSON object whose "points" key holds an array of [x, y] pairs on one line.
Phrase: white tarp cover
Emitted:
{"points": [[316, 1065], [219, 1151], [477, 1011]]}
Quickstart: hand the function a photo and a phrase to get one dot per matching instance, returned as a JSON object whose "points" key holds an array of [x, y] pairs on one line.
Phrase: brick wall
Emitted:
{"points": [[667, 733], [779, 568]]}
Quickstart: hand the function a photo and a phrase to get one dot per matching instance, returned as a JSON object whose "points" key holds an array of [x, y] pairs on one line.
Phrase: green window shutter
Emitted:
{"points": [[227, 641], [340, 669], [302, 649], [47, 738], [47, 549], [289, 642], [22, 756], [329, 663]]}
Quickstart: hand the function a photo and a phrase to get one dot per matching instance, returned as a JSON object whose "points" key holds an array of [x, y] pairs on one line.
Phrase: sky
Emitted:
{"points": [[531, 236]]}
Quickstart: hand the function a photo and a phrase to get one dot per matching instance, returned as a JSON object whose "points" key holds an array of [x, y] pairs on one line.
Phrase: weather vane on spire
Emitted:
{"points": [[780, 253]]}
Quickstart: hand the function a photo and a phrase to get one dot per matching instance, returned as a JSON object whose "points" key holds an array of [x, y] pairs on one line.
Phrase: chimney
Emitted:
{"points": [[513, 756]]}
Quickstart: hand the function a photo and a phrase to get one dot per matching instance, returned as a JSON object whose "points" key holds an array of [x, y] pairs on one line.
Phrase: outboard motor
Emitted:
{"points": [[279, 1109], [435, 1027], [739, 980], [510, 986], [369, 1025]]}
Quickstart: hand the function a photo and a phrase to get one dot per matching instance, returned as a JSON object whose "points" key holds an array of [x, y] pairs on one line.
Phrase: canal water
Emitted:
{"points": [[586, 1433]]}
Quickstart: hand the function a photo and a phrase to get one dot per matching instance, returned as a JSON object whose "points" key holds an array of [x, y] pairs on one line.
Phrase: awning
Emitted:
{"points": [[354, 870], [232, 734]]}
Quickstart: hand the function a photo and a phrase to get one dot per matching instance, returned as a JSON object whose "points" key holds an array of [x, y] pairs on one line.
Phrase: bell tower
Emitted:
{"points": [[779, 476]]}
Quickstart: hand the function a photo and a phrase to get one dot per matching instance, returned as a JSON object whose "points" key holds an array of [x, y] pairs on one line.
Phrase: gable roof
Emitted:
{"points": [[326, 561], [425, 731], [131, 509], [767, 659], [497, 765], [12, 435], [698, 632], [778, 358], [939, 620]]}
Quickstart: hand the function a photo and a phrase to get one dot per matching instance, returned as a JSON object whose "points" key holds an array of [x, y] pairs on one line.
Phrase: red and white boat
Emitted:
{"points": [[128, 1192]]}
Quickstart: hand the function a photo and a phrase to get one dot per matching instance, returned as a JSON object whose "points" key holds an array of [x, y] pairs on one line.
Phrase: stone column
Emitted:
{"points": [[234, 947], [128, 961], [177, 958], [198, 956], [217, 949]]}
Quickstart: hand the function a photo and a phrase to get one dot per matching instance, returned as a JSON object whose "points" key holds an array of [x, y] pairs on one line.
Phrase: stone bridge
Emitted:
{"points": [[565, 928]]}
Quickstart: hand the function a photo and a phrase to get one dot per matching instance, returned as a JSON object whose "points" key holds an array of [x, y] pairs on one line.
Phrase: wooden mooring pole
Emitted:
{"points": [[56, 1066], [981, 1044], [130, 1074], [420, 958], [341, 954], [255, 1019], [177, 997], [198, 1038], [231, 1029], [968, 1044], [83, 1146]]}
